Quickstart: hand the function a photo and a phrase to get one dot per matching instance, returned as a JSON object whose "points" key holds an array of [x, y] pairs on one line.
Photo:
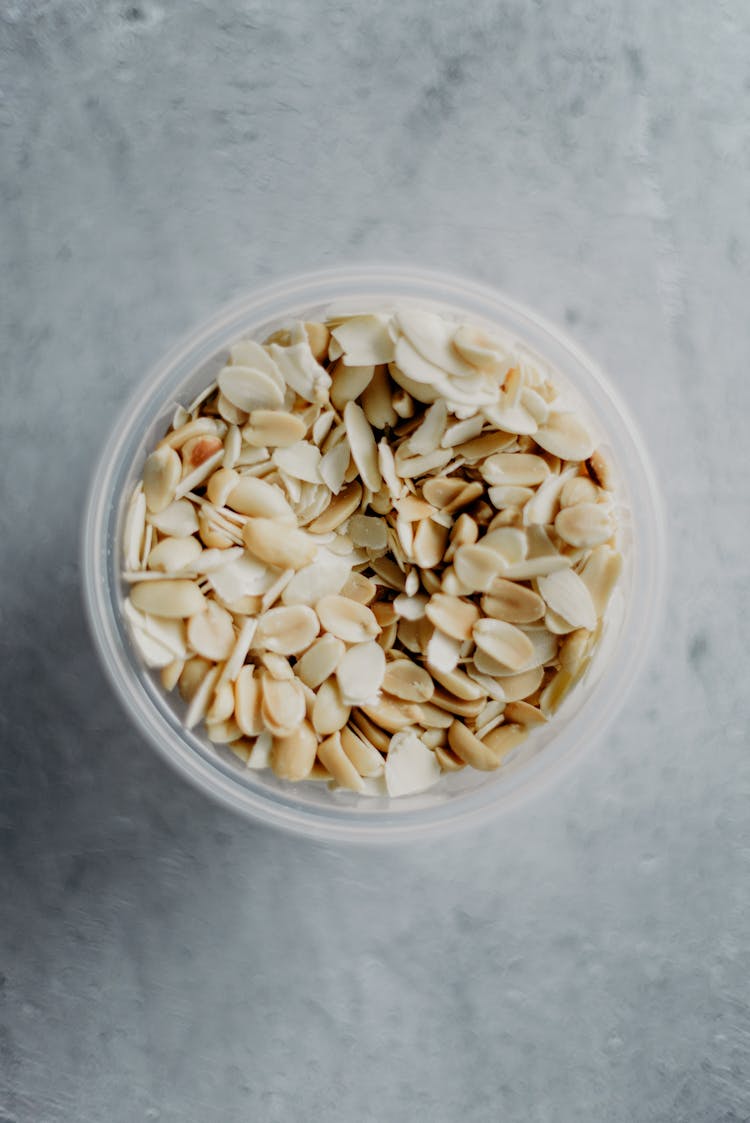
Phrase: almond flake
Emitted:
{"points": [[410, 767]]}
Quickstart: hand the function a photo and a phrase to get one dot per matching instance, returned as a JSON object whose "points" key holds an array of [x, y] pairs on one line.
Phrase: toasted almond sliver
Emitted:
{"points": [[503, 642], [584, 525], [568, 596], [341, 507], [171, 599], [411, 466], [247, 701], [192, 675], [201, 698], [447, 759], [486, 445], [161, 475], [427, 437], [435, 717], [509, 495], [278, 544], [507, 600], [578, 489], [222, 706], [507, 541], [330, 712], [430, 542], [408, 681], [222, 732], [348, 382], [325, 576], [320, 661], [516, 468], [464, 707], [283, 704], [318, 337], [301, 461], [392, 714], [504, 739], [600, 574], [452, 615], [173, 554], [374, 734], [333, 466], [555, 692], [377, 401], [471, 750], [273, 428], [477, 566], [287, 630], [362, 444], [210, 632], [178, 520], [517, 687], [170, 675], [259, 499], [248, 388], [458, 682], [350, 621], [293, 756], [360, 673], [574, 650], [200, 425], [523, 714], [537, 567], [134, 529], [600, 470], [360, 588], [333, 757], [564, 435], [363, 755]]}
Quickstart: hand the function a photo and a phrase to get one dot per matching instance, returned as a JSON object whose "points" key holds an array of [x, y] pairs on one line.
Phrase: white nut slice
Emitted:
{"points": [[347, 619], [254, 497], [584, 525], [178, 520], [519, 469], [507, 600], [330, 712], [273, 428], [568, 596], [564, 435], [360, 673], [173, 554], [363, 446], [364, 756], [365, 340], [283, 705], [278, 544], [287, 630], [483, 351], [452, 615], [161, 475], [408, 681], [210, 633], [477, 566], [293, 756], [171, 599], [504, 643], [332, 755], [249, 388], [301, 461], [410, 766], [320, 661], [600, 574]]}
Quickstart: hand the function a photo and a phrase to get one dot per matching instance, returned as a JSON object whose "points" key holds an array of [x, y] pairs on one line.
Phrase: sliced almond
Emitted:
{"points": [[503, 642], [392, 714], [564, 435], [210, 632], [172, 599], [518, 469], [486, 445], [372, 533], [365, 339], [578, 489], [373, 733], [504, 739], [332, 756], [362, 444], [327, 575], [320, 661], [330, 712], [435, 717], [293, 756], [278, 544], [458, 682], [249, 388], [471, 750], [408, 681], [363, 755], [509, 495], [600, 574], [483, 351], [301, 461], [584, 525], [523, 714], [430, 541], [170, 675], [360, 673], [341, 507], [410, 767], [287, 630], [178, 520], [507, 600], [447, 759], [348, 382], [574, 650], [452, 615], [477, 566], [272, 428], [350, 621], [260, 499], [441, 652], [555, 692], [465, 707], [333, 466], [568, 596], [377, 401], [192, 675], [201, 698], [600, 470], [247, 701], [173, 554], [282, 706], [161, 475], [360, 588]]}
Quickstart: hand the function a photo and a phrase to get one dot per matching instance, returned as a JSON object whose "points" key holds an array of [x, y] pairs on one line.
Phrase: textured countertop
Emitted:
{"points": [[586, 958]]}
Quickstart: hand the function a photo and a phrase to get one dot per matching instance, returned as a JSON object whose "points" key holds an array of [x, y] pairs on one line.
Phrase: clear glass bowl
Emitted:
{"points": [[460, 799]]}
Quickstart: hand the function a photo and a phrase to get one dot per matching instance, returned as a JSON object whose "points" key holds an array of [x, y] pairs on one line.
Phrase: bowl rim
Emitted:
{"points": [[201, 343]]}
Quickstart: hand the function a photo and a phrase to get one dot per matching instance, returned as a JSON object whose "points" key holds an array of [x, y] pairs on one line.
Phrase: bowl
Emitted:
{"points": [[462, 799]]}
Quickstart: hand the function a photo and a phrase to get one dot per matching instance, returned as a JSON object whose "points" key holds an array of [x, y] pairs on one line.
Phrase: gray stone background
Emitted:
{"points": [[587, 957]]}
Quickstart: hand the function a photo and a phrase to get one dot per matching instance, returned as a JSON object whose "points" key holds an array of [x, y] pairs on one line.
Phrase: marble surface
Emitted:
{"points": [[587, 957]]}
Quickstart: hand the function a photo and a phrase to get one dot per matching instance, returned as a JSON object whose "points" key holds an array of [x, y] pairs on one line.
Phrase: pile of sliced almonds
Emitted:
{"points": [[375, 550]]}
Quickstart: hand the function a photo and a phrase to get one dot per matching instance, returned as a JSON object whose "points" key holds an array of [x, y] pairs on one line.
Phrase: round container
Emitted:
{"points": [[465, 798]]}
